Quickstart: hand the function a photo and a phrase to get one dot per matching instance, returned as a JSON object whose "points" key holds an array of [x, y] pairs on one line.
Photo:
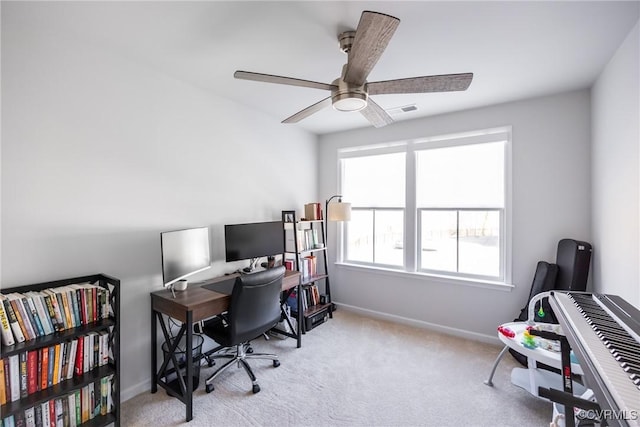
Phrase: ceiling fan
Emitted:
{"points": [[351, 91]]}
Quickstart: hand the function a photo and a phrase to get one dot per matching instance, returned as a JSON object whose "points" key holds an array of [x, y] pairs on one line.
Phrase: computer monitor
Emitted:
{"points": [[253, 241], [184, 253]]}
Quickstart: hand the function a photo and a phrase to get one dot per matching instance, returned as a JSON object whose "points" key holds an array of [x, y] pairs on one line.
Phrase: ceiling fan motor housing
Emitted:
{"points": [[348, 97], [346, 40]]}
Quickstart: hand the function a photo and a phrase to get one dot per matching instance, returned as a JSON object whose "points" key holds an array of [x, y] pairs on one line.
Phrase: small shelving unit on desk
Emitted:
{"points": [[61, 353], [306, 252]]}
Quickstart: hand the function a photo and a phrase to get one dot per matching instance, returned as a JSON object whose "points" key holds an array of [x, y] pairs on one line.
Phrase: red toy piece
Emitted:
{"points": [[506, 332]]}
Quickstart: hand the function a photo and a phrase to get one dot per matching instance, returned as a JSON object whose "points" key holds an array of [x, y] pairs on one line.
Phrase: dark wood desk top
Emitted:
{"points": [[202, 302]]}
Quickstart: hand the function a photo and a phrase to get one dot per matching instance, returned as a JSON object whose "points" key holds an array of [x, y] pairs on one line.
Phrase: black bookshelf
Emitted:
{"points": [[314, 314], [67, 386]]}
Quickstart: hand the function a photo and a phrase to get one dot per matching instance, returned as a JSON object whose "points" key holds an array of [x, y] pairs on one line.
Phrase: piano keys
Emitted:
{"points": [[604, 333]]}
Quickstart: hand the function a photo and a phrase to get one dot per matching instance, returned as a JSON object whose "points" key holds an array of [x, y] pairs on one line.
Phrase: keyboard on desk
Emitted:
{"points": [[604, 332]]}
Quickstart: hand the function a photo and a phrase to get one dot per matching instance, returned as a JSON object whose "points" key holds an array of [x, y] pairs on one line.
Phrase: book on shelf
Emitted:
{"points": [[72, 359], [46, 421], [51, 365], [59, 415], [33, 315], [18, 308], [79, 364], [32, 371], [30, 417], [289, 264], [78, 408], [44, 370], [63, 299], [3, 384], [13, 320], [72, 409], [7, 334], [41, 311], [38, 416], [312, 211], [23, 374], [54, 306], [56, 363], [14, 377]]}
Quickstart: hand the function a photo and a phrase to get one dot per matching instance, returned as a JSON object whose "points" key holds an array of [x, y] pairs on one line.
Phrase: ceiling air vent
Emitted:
{"points": [[402, 110]]}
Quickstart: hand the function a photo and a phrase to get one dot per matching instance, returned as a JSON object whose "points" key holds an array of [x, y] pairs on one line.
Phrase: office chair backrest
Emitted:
{"points": [[255, 304]]}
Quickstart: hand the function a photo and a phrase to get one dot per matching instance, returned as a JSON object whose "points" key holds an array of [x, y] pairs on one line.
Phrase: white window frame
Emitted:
{"points": [[412, 213]]}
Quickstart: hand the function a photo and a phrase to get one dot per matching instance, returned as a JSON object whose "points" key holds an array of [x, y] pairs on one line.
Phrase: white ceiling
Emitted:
{"points": [[515, 49]]}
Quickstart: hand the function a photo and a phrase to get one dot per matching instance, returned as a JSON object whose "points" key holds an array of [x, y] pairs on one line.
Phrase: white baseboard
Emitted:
{"points": [[421, 324], [137, 389]]}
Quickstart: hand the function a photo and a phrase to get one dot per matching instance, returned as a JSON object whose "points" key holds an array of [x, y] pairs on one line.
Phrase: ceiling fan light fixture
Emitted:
{"points": [[349, 101]]}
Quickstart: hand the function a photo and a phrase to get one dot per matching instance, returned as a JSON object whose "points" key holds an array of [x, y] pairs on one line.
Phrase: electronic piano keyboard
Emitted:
{"points": [[604, 333]]}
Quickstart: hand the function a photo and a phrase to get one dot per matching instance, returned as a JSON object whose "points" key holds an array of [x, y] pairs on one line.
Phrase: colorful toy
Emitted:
{"points": [[528, 340], [506, 331]]}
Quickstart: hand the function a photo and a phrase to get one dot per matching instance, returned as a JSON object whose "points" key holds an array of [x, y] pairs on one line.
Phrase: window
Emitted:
{"points": [[435, 206], [375, 186]]}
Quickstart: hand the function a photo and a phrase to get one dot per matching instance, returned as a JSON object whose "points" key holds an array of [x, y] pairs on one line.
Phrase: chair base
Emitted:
{"points": [[239, 356]]}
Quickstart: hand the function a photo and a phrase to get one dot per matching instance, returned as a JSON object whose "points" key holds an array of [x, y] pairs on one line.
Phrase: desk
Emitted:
{"points": [[196, 303]]}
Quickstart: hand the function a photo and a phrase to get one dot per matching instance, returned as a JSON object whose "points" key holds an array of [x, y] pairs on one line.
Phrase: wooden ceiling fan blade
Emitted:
{"points": [[269, 78], [375, 114], [442, 83], [308, 111], [372, 37]]}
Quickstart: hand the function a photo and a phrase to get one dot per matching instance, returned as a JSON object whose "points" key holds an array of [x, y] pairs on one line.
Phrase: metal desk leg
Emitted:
{"points": [[489, 381], [154, 352], [189, 359]]}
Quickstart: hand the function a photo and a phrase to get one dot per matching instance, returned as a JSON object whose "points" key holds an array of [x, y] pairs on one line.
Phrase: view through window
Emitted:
{"points": [[434, 206]]}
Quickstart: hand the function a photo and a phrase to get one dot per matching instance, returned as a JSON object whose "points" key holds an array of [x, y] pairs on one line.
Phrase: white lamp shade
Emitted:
{"points": [[339, 211]]}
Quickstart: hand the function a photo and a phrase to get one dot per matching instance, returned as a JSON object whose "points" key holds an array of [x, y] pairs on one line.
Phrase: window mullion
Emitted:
{"points": [[410, 211], [458, 240]]}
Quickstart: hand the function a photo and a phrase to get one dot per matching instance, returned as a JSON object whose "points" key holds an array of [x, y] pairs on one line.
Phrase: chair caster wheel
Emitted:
{"points": [[276, 363], [250, 350], [256, 388], [209, 388], [211, 363]]}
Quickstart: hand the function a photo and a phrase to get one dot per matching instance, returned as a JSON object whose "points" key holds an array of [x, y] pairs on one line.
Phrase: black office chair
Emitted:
{"points": [[254, 309]]}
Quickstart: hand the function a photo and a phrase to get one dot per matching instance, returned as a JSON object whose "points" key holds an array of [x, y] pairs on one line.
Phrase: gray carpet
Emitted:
{"points": [[357, 371]]}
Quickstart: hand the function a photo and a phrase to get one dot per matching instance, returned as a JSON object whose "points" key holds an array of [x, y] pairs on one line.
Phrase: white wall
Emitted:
{"points": [[100, 154], [615, 173], [551, 201]]}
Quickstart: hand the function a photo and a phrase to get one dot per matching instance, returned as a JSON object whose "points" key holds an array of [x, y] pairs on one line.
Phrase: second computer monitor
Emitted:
{"points": [[253, 241]]}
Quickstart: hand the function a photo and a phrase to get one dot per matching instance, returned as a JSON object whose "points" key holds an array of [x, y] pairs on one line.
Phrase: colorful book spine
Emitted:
{"points": [[44, 372], [78, 408], [43, 313], [33, 315], [73, 349], [14, 377], [3, 384], [13, 321], [32, 371], [80, 357], [51, 365], [21, 315], [56, 364], [7, 335], [46, 422], [23, 375]]}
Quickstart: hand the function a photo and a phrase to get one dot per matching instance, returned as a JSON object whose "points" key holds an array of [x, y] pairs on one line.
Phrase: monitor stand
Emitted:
{"points": [[252, 266]]}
